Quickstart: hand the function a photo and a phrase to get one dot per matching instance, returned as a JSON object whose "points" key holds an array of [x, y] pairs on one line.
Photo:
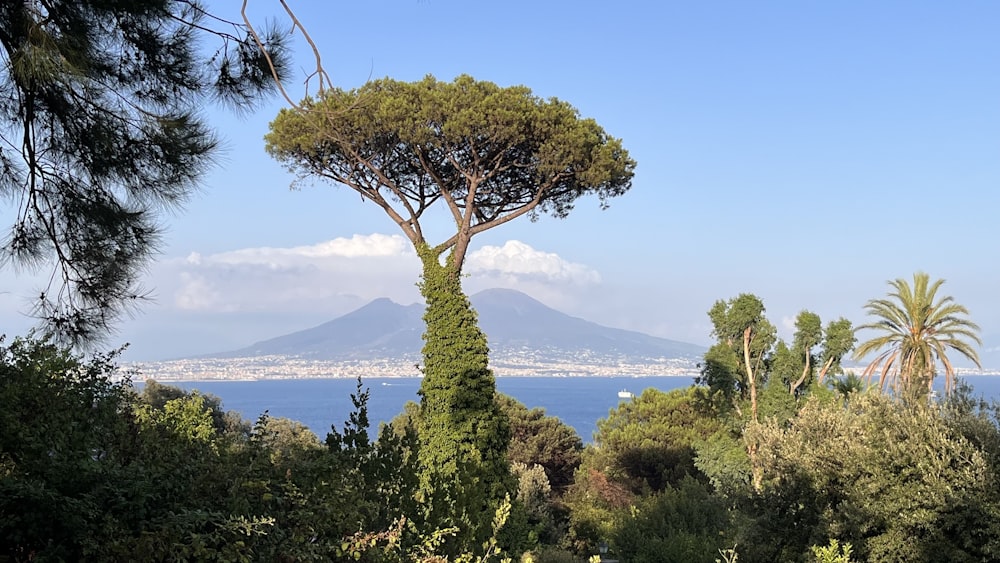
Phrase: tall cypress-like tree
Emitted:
{"points": [[808, 335], [100, 134], [838, 340], [740, 326], [488, 155]]}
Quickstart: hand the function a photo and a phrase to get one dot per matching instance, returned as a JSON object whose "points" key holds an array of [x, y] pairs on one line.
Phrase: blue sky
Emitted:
{"points": [[804, 152]]}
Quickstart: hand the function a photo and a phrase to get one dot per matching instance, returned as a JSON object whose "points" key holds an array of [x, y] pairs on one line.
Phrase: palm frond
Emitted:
{"points": [[916, 330]]}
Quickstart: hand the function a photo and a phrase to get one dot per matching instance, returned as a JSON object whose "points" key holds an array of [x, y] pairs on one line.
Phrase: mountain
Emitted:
{"points": [[519, 328], [380, 329], [514, 321]]}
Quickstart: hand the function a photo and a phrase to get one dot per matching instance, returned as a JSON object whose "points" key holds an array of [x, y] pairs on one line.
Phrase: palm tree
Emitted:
{"points": [[847, 385], [918, 329]]}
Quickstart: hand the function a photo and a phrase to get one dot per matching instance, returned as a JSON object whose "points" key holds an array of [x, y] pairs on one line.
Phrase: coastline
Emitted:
{"points": [[286, 368], [268, 368]]}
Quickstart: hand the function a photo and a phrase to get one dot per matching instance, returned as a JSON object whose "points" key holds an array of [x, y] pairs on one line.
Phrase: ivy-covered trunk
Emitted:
{"points": [[463, 433]]}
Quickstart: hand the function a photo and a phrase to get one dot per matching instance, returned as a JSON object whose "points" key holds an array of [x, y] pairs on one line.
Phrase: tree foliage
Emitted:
{"points": [[643, 454], [648, 443], [488, 154], [740, 325], [379, 476], [838, 340], [100, 133], [787, 367], [808, 334], [59, 427], [719, 373], [916, 330], [541, 440], [898, 482], [684, 522], [92, 471]]}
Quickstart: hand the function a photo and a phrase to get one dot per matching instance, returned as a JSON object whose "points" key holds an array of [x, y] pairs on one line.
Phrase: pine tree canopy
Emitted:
{"points": [[100, 134]]}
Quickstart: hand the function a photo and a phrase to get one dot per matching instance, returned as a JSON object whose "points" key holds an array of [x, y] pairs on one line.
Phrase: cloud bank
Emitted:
{"points": [[341, 274], [516, 261], [328, 276]]}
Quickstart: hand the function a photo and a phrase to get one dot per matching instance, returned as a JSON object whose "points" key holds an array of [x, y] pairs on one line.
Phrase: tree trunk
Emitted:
{"points": [[805, 373], [756, 471], [826, 368], [463, 434], [750, 374]]}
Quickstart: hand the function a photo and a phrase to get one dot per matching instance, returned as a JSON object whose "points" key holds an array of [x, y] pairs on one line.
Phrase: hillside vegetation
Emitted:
{"points": [[800, 470]]}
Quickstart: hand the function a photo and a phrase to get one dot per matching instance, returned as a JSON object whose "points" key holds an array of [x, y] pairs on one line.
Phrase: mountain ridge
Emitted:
{"points": [[519, 328]]}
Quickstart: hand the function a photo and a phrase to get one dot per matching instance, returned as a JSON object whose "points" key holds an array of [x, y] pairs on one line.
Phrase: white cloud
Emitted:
{"points": [[358, 246], [334, 275], [339, 275], [517, 261], [787, 328], [195, 293]]}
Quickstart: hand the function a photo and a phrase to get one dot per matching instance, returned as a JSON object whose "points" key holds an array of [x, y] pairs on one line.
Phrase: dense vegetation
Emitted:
{"points": [[91, 469]]}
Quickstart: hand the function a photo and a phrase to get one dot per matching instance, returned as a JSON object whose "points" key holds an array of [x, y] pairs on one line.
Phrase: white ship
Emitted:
{"points": [[625, 394]]}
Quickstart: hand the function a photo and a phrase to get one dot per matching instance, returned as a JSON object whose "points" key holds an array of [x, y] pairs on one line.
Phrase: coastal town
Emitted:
{"points": [[505, 365], [285, 367]]}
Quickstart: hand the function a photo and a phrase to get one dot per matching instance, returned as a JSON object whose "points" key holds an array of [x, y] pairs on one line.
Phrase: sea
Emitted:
{"points": [[578, 401]]}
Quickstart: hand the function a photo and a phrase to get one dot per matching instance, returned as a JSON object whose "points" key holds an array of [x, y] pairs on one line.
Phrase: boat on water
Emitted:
{"points": [[625, 394]]}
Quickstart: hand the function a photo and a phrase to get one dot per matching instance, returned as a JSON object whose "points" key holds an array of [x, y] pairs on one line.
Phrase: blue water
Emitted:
{"points": [[318, 403], [578, 401]]}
